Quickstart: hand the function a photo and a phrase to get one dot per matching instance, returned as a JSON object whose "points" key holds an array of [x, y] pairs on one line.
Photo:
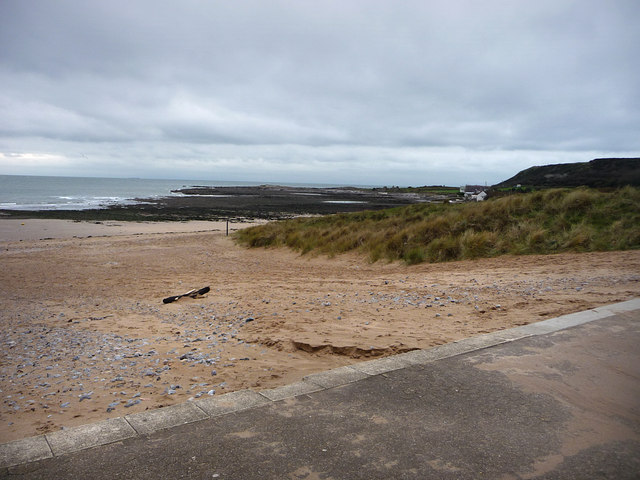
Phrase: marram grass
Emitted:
{"points": [[543, 222]]}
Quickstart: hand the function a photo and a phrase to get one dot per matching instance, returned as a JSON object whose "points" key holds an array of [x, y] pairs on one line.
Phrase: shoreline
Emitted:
{"points": [[266, 202]]}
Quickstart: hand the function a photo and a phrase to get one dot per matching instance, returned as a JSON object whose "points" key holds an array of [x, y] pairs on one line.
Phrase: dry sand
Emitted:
{"points": [[85, 335], [39, 229]]}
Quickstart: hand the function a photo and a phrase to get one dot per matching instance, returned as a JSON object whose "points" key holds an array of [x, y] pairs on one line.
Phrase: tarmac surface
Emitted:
{"points": [[557, 399]]}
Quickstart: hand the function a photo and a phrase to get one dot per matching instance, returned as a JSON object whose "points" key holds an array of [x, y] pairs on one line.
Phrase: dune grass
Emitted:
{"points": [[542, 222]]}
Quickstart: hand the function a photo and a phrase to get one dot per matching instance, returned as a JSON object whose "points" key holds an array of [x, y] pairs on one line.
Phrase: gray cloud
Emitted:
{"points": [[350, 91]]}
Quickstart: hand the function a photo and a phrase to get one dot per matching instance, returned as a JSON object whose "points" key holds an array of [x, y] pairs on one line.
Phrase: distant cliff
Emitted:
{"points": [[601, 172]]}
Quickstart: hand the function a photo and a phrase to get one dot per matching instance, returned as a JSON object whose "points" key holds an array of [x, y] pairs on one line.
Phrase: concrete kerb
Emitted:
{"points": [[622, 307], [336, 377], [231, 402], [90, 435], [144, 423], [24, 451], [291, 390], [151, 421]]}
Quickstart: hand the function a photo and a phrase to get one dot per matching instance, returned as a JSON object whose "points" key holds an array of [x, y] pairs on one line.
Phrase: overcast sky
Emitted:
{"points": [[371, 92]]}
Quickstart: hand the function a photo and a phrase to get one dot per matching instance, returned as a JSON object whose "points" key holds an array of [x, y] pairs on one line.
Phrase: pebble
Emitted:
{"points": [[85, 396]]}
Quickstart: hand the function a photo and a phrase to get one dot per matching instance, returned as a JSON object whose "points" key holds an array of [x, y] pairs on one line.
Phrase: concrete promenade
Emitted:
{"points": [[557, 399]]}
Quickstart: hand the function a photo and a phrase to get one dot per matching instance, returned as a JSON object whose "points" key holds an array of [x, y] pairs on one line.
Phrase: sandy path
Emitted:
{"points": [[85, 333]]}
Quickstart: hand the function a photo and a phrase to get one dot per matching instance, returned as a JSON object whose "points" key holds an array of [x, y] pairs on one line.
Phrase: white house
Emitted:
{"points": [[474, 192]]}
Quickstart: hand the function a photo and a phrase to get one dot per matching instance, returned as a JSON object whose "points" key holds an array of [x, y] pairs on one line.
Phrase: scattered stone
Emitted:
{"points": [[85, 396]]}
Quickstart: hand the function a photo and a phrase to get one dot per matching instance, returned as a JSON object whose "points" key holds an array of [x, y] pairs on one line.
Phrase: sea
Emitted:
{"points": [[27, 192]]}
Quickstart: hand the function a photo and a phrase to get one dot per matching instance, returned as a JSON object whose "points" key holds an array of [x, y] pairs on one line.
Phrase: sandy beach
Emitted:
{"points": [[15, 230], [85, 335]]}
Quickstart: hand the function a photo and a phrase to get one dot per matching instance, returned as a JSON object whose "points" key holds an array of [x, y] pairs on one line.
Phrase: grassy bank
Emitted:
{"points": [[549, 221]]}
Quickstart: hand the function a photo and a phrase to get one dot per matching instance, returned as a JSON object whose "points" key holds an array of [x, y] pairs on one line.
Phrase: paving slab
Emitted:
{"points": [[24, 450], [291, 390], [91, 435], [420, 357], [566, 321], [621, 307], [336, 377], [231, 402], [151, 421], [382, 365]]}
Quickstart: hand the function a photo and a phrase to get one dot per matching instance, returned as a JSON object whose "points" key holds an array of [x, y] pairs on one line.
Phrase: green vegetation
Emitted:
{"points": [[432, 190], [548, 221], [598, 173]]}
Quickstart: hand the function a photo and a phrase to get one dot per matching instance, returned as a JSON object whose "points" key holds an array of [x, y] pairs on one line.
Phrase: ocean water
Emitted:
{"points": [[18, 192]]}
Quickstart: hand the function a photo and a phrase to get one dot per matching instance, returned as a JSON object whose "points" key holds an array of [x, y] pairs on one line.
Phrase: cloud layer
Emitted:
{"points": [[369, 92]]}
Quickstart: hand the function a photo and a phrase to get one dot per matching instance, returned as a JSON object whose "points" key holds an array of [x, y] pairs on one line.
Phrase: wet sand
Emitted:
{"points": [[85, 335]]}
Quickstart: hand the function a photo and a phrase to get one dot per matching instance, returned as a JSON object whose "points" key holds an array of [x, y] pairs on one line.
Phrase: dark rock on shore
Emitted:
{"points": [[245, 202]]}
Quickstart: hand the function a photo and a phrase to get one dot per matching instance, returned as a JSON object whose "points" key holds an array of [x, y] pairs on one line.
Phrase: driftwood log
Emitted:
{"points": [[191, 293]]}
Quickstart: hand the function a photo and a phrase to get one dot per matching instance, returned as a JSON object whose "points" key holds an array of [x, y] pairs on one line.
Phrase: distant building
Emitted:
{"points": [[474, 192], [479, 197]]}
